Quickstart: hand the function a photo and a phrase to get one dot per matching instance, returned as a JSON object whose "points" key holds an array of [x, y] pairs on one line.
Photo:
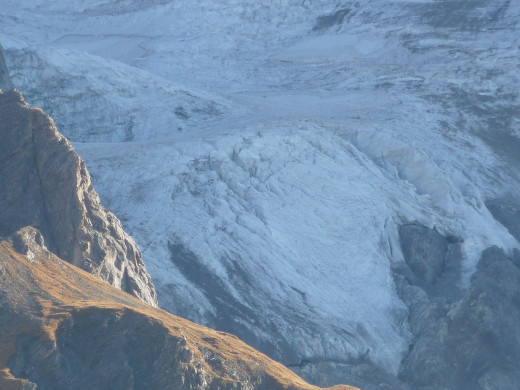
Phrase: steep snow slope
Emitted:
{"points": [[264, 154]]}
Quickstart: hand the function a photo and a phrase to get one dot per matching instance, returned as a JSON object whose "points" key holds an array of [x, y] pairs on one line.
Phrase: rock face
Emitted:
{"points": [[62, 328], [473, 343], [45, 184], [5, 80], [507, 211], [424, 250]]}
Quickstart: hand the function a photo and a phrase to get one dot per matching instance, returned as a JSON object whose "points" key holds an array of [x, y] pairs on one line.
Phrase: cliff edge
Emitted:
{"points": [[45, 184]]}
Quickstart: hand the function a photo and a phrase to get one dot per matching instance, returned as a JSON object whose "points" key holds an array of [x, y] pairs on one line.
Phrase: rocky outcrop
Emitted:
{"points": [[63, 328], [45, 184], [424, 250], [473, 343], [506, 210], [5, 80]]}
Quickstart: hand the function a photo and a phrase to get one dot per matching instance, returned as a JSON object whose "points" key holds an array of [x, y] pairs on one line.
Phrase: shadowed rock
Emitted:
{"points": [[424, 250], [327, 21], [45, 184], [462, 14], [507, 211], [473, 343], [5, 80]]}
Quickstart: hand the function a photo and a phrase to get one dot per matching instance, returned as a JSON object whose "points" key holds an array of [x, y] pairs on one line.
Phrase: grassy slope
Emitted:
{"points": [[47, 291]]}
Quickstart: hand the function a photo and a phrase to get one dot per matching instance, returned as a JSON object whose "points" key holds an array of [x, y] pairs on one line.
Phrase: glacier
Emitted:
{"points": [[263, 154]]}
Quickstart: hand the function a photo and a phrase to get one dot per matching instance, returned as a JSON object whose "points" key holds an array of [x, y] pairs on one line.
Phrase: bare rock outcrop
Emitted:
{"points": [[5, 80], [472, 343], [63, 328], [45, 184], [424, 250], [506, 210]]}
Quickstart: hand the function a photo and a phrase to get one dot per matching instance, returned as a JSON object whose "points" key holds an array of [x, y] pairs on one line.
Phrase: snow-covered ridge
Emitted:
{"points": [[263, 154]]}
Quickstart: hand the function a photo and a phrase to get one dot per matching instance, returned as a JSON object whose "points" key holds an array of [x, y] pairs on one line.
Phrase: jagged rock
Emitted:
{"points": [[424, 250], [473, 343], [63, 328], [45, 184], [436, 262], [507, 211], [5, 80]]}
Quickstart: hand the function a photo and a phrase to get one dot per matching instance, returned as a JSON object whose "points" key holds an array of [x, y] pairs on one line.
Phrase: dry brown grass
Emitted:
{"points": [[53, 291]]}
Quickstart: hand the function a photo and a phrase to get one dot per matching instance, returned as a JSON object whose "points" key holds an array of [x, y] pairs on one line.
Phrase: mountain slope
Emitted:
{"points": [[45, 184], [61, 327], [266, 155]]}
